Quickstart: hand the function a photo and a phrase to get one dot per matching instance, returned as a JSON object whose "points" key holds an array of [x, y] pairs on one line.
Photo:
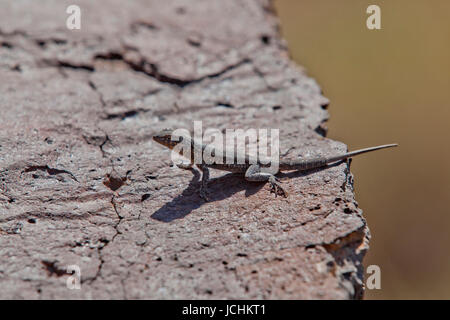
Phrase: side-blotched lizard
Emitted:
{"points": [[254, 170]]}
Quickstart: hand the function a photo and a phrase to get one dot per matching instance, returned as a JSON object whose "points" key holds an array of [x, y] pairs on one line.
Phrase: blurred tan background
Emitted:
{"points": [[388, 85]]}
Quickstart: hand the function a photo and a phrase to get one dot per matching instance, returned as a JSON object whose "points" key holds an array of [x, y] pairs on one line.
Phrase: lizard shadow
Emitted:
{"points": [[218, 189]]}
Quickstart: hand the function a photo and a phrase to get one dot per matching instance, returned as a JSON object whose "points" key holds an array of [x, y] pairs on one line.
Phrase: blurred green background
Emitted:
{"points": [[388, 85]]}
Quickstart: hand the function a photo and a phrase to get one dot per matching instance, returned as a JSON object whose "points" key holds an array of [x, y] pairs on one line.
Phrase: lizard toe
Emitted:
{"points": [[278, 189]]}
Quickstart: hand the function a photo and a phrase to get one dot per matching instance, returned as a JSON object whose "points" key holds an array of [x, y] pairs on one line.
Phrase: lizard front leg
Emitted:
{"points": [[205, 179], [205, 176], [254, 173]]}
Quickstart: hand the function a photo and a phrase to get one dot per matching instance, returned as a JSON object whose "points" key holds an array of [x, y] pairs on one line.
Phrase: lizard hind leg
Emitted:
{"points": [[254, 173]]}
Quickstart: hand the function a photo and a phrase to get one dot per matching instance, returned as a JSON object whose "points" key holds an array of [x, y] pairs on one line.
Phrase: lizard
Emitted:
{"points": [[253, 170]]}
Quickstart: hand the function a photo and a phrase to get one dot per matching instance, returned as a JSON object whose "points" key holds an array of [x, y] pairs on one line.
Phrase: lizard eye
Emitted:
{"points": [[177, 139]]}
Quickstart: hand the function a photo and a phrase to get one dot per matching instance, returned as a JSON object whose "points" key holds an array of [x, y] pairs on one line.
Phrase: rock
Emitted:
{"points": [[81, 182]]}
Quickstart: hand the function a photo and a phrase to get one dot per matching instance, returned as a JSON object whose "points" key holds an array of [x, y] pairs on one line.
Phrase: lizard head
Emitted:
{"points": [[167, 138]]}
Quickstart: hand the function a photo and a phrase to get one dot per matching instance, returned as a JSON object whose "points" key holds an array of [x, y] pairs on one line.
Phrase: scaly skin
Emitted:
{"points": [[254, 169]]}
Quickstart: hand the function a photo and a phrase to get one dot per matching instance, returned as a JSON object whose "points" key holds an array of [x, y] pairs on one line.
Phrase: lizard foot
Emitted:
{"points": [[277, 188], [204, 194]]}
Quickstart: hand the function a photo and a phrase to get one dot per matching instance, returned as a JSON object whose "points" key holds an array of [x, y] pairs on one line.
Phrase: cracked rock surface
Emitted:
{"points": [[82, 183]]}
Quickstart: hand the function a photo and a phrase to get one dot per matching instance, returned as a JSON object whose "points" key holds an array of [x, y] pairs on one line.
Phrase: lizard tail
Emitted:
{"points": [[360, 151], [308, 164]]}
